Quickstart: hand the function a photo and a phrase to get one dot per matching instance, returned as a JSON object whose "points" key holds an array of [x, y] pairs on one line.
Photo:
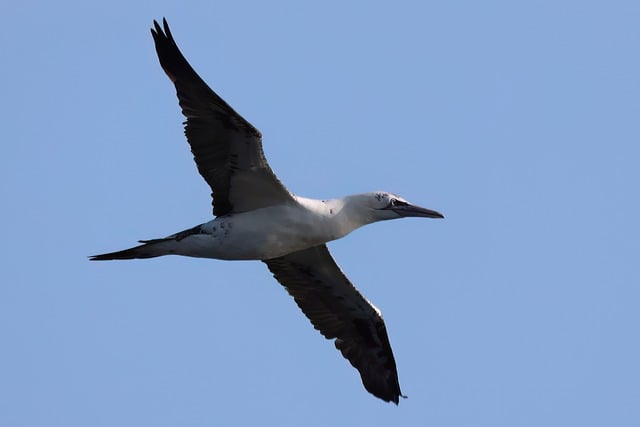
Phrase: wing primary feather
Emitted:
{"points": [[336, 308], [227, 149]]}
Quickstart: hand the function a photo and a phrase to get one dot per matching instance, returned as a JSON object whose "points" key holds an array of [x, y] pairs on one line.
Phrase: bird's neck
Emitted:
{"points": [[341, 216]]}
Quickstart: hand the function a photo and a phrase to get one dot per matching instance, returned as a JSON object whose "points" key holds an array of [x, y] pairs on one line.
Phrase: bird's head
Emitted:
{"points": [[382, 206], [361, 209]]}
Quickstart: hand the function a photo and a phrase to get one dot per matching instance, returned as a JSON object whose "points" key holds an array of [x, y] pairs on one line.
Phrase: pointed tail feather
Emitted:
{"points": [[148, 249]]}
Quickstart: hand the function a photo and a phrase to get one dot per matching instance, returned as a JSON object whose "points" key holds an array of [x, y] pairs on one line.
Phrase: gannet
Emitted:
{"points": [[257, 218]]}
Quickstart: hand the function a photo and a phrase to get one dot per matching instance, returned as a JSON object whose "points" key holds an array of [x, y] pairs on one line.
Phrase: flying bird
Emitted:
{"points": [[257, 218]]}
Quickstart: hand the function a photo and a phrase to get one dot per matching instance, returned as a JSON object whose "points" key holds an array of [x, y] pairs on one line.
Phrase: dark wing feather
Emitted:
{"points": [[338, 310], [227, 149]]}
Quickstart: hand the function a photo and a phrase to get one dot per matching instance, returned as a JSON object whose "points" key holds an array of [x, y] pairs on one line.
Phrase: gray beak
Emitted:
{"points": [[412, 210]]}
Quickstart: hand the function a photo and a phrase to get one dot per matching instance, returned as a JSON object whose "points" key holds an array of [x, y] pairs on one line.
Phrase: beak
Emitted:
{"points": [[417, 211]]}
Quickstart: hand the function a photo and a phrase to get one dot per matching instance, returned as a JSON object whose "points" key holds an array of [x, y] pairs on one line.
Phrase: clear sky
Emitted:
{"points": [[520, 121]]}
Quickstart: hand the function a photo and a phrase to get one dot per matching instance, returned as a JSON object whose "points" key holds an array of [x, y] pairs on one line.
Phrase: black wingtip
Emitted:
{"points": [[157, 29], [167, 31], [396, 399]]}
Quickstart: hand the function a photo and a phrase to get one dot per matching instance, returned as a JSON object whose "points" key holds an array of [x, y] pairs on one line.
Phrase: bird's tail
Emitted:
{"points": [[148, 249]]}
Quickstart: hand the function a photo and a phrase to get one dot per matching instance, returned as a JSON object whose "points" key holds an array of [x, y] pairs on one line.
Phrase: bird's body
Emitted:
{"points": [[260, 234], [257, 218]]}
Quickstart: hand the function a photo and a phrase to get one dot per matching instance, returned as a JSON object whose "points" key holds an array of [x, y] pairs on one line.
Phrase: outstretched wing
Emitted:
{"points": [[227, 149], [340, 312]]}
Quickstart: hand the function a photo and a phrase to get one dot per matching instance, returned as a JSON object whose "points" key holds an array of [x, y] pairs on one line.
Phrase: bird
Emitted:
{"points": [[257, 218]]}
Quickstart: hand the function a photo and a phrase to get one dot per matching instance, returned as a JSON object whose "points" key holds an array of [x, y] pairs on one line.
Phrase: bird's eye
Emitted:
{"points": [[395, 203]]}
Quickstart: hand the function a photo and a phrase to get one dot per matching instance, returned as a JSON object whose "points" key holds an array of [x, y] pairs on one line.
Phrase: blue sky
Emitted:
{"points": [[519, 121]]}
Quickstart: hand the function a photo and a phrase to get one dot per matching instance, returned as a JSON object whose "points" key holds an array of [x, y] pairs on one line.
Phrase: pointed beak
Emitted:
{"points": [[417, 211]]}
